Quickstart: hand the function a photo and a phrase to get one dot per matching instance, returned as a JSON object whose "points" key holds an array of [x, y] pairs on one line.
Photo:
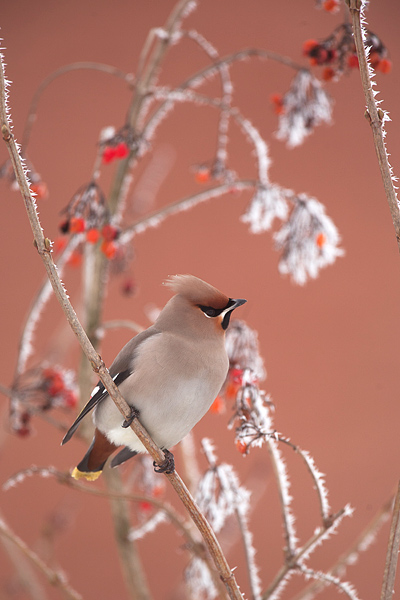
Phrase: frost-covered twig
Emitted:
{"points": [[36, 309], [343, 586], [43, 247], [361, 544], [375, 115], [156, 217], [233, 499], [55, 578]]}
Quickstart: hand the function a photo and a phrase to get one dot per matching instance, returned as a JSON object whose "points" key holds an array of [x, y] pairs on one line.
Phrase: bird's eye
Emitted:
{"points": [[209, 311]]}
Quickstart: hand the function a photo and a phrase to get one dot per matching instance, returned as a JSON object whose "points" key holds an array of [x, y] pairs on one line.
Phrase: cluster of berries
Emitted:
{"points": [[40, 390], [115, 151], [108, 234], [337, 53]]}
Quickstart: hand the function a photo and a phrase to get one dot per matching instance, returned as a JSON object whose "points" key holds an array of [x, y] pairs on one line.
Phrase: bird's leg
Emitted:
{"points": [[134, 415], [167, 465]]}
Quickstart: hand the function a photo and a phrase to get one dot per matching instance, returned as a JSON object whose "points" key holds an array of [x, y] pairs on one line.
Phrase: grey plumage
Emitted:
{"points": [[171, 373]]}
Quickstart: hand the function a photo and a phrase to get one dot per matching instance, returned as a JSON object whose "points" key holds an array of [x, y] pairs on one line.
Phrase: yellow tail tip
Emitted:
{"points": [[88, 475]]}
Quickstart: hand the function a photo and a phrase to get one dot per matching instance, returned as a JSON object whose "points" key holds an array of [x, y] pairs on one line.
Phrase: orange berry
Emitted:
{"points": [[328, 74], [93, 236], [384, 65], [241, 446], [109, 249], [77, 225], [40, 189], [218, 406], [157, 491], [321, 240], [202, 175], [331, 6], [308, 46], [277, 101]]}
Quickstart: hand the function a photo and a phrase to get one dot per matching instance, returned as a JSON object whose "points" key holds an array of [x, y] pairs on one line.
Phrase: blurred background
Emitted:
{"points": [[330, 347]]}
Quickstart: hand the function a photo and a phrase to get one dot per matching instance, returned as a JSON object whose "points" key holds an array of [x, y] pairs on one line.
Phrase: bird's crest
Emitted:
{"points": [[197, 291]]}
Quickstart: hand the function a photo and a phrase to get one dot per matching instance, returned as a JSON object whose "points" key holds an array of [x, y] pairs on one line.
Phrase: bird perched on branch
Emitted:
{"points": [[169, 375]]}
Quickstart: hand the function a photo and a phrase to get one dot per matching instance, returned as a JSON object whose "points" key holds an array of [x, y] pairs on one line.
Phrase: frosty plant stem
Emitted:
{"points": [[376, 116], [43, 245]]}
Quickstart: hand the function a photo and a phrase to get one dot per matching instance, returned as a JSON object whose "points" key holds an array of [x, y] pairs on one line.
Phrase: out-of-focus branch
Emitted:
{"points": [[87, 65], [44, 249], [376, 116], [54, 577], [392, 555]]}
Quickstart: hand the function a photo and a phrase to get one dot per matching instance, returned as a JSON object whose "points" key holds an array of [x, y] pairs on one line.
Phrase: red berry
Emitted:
{"points": [[145, 506], [352, 61], [23, 431], [128, 287], [277, 101], [109, 232], [55, 385], [308, 46], [109, 249], [384, 65], [93, 236], [121, 150], [108, 154], [70, 399], [77, 225], [40, 189], [374, 59], [328, 74], [331, 6]]}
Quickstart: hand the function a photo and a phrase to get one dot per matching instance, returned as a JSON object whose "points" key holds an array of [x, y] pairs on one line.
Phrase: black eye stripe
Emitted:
{"points": [[210, 311]]}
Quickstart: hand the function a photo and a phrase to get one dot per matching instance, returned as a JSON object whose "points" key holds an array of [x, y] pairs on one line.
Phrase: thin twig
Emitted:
{"points": [[54, 577], [392, 551], [43, 247], [376, 116], [361, 544]]}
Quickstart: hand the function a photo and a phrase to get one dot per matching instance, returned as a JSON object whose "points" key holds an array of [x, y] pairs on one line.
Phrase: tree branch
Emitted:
{"points": [[44, 248], [376, 116], [54, 577]]}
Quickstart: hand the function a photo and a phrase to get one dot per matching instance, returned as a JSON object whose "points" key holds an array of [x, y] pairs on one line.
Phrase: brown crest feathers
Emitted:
{"points": [[197, 291]]}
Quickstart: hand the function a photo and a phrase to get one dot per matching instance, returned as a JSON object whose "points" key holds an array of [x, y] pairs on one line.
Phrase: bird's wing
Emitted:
{"points": [[121, 368]]}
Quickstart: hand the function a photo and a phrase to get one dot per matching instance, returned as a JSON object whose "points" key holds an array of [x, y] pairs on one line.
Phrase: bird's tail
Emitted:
{"points": [[92, 463]]}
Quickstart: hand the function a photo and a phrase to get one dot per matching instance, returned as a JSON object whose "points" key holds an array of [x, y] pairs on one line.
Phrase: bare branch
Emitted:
{"points": [[43, 246], [54, 577], [375, 115]]}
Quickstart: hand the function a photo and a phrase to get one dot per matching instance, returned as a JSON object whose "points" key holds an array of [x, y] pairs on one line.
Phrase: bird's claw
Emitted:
{"points": [[134, 415], [168, 464]]}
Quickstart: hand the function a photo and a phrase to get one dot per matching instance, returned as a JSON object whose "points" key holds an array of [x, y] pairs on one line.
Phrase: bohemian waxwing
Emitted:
{"points": [[169, 374]]}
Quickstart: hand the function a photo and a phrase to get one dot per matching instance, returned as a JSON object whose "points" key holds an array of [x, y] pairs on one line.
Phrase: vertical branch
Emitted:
{"points": [[376, 116], [133, 571], [392, 551]]}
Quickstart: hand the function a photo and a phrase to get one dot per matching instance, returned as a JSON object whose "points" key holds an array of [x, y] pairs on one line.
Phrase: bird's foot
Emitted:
{"points": [[134, 415], [168, 464]]}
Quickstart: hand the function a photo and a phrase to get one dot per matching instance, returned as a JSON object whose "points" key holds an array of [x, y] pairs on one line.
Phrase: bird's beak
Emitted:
{"points": [[237, 302]]}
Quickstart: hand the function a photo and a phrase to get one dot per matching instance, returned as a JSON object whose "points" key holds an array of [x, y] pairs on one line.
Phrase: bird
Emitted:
{"points": [[169, 375]]}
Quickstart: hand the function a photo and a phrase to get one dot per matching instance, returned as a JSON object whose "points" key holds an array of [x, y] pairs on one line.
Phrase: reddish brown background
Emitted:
{"points": [[331, 348]]}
